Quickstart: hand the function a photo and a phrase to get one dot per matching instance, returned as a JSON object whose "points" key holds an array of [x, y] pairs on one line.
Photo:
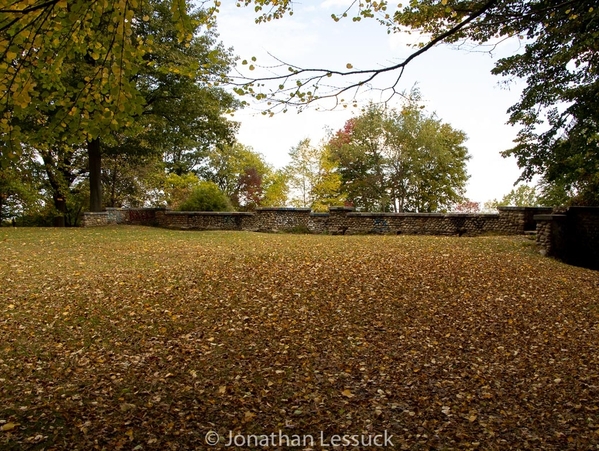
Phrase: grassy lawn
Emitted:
{"points": [[146, 339]]}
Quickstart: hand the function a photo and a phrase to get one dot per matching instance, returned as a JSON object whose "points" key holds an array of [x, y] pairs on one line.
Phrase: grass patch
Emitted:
{"points": [[143, 338]]}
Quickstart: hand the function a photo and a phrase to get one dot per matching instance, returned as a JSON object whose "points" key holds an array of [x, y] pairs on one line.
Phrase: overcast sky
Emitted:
{"points": [[456, 84]]}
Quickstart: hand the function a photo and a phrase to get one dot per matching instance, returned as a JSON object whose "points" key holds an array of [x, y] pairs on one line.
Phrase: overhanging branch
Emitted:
{"points": [[307, 81]]}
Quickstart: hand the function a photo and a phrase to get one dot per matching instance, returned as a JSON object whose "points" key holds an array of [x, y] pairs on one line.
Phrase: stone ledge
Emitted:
{"points": [[289, 209], [136, 209], [512, 208], [371, 214], [423, 215], [549, 217], [209, 213]]}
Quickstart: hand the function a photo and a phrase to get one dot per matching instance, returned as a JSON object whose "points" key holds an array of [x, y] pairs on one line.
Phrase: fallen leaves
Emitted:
{"points": [[141, 338]]}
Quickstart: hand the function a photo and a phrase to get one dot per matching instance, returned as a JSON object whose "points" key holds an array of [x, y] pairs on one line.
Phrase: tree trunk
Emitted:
{"points": [[57, 183], [60, 204], [95, 173], [113, 182]]}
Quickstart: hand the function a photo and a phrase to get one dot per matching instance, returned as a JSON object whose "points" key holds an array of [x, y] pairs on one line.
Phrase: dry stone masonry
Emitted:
{"points": [[338, 221], [571, 234]]}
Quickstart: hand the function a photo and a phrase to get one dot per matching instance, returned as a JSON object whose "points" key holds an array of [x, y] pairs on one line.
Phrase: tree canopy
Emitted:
{"points": [[398, 161], [43, 43], [559, 61], [73, 71], [521, 196], [164, 102], [244, 176]]}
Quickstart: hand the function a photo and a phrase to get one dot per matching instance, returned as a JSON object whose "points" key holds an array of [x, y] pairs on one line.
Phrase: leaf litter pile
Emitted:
{"points": [[137, 338]]}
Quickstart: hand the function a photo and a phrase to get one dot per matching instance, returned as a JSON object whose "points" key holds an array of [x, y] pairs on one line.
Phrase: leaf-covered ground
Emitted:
{"points": [[146, 339]]}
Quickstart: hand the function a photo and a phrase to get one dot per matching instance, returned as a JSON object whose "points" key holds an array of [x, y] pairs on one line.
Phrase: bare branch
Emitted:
{"points": [[308, 81]]}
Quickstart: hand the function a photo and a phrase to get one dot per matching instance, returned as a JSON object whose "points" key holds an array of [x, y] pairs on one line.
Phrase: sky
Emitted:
{"points": [[456, 84]]}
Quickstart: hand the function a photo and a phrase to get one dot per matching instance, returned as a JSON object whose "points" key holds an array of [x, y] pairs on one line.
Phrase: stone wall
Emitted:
{"points": [[281, 219], [521, 218], [571, 235], [209, 220], [339, 220], [419, 224], [95, 219]]}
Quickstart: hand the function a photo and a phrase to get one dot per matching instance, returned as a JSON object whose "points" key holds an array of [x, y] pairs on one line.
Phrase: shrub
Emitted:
{"points": [[206, 197], [178, 188]]}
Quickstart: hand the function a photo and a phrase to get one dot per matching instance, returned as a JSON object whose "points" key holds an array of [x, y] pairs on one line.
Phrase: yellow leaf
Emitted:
{"points": [[8, 427], [347, 394]]}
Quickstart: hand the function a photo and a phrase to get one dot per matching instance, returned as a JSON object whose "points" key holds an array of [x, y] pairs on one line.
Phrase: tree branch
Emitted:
{"points": [[29, 9], [315, 77]]}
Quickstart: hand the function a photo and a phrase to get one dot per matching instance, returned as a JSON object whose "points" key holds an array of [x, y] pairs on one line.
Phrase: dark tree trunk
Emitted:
{"points": [[60, 203], [58, 188], [95, 173]]}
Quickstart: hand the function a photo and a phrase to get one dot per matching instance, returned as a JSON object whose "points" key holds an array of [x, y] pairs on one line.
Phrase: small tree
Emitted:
{"points": [[326, 190], [303, 170], [467, 206], [276, 189], [522, 196], [313, 177]]}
